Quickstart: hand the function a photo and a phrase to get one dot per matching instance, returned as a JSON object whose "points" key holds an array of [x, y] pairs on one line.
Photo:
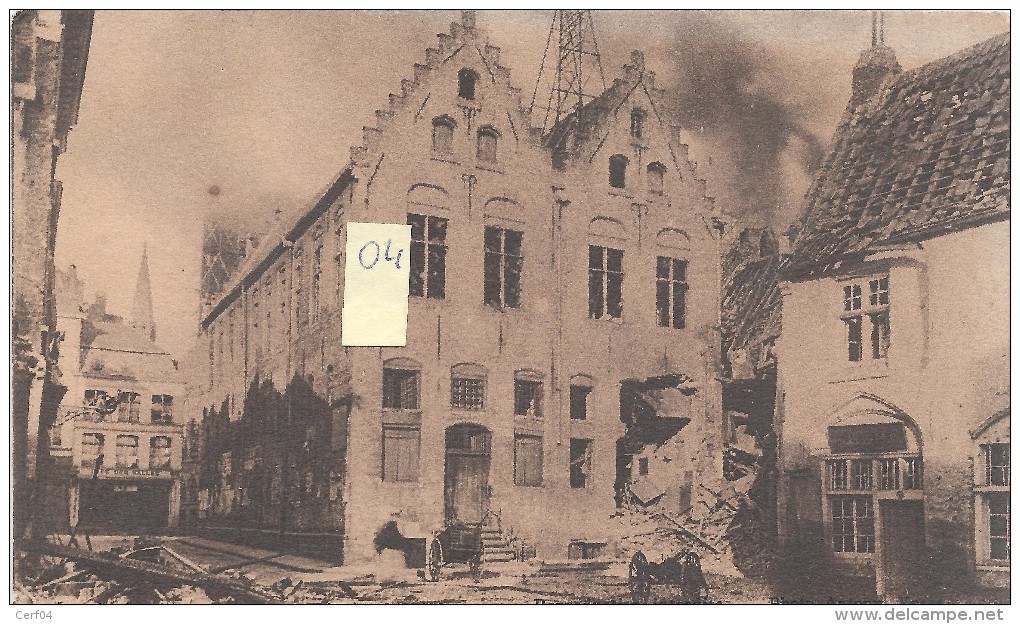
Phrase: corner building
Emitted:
{"points": [[545, 271]]}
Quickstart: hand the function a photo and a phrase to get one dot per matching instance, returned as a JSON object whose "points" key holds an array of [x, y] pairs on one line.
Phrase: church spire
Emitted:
{"points": [[141, 311]]}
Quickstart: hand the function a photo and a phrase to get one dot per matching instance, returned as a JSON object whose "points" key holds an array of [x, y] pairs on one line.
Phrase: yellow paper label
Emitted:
{"points": [[375, 285]]}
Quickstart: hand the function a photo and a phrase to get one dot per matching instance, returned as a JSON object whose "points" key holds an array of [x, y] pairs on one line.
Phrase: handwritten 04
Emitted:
{"points": [[370, 253]]}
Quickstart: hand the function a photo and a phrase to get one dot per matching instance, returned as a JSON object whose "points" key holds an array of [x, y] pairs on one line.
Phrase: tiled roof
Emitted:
{"points": [[927, 154], [115, 350], [751, 299]]}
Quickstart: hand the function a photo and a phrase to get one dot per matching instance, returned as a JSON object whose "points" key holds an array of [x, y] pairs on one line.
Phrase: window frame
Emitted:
{"points": [[637, 123], [671, 292], [482, 155], [866, 297], [467, 84], [448, 124], [992, 485], [166, 452], [522, 386], [655, 175], [618, 164], [118, 455], [397, 401], [430, 251], [580, 468], [501, 288], [605, 286]]}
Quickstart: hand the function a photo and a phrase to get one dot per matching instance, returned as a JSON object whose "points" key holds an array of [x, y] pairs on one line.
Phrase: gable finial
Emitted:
{"points": [[874, 29]]}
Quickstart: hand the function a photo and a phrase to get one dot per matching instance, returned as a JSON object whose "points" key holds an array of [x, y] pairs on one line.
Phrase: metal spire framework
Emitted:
{"points": [[577, 66]]}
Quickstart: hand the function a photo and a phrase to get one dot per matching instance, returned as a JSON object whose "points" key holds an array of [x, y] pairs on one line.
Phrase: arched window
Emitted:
{"points": [[656, 175], [637, 123], [618, 171], [442, 134], [488, 140], [466, 81]]}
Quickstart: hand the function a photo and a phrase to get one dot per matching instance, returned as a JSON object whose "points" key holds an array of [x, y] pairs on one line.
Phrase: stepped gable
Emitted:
{"points": [[926, 155], [581, 134], [464, 37]]}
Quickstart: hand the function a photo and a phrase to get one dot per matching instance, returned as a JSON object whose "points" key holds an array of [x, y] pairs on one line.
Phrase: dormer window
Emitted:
{"points": [[466, 80], [656, 176], [488, 141], [442, 134], [618, 171], [637, 123]]}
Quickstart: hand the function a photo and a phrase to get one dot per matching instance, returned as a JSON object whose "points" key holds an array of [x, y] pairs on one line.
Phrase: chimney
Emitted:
{"points": [[875, 65]]}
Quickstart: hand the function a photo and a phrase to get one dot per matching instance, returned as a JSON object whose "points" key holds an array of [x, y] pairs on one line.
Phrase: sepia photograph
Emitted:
{"points": [[504, 307]]}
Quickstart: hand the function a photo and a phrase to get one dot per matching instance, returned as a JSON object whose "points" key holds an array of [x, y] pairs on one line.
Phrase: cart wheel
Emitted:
{"points": [[637, 578], [434, 563]]}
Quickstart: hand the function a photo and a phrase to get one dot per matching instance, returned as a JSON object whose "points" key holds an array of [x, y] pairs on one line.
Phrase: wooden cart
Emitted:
{"points": [[681, 570], [458, 542]]}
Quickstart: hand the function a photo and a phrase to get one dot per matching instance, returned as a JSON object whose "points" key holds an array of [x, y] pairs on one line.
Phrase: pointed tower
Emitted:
{"points": [[141, 310]]}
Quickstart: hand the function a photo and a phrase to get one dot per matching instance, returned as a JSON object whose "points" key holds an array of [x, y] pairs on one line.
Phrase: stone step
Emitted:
{"points": [[498, 551], [497, 558]]}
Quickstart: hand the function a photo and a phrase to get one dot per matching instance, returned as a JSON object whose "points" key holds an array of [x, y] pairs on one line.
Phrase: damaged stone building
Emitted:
{"points": [[49, 52], [563, 320], [894, 355]]}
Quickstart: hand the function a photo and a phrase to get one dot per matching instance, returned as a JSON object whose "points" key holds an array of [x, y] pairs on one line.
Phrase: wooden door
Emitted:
{"points": [[467, 473], [902, 565]]}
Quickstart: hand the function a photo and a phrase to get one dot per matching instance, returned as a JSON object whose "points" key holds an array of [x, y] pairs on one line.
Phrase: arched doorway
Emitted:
{"points": [[468, 455], [874, 493]]}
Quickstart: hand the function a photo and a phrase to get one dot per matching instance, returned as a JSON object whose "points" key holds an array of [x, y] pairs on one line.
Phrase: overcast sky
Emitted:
{"points": [[264, 106]]}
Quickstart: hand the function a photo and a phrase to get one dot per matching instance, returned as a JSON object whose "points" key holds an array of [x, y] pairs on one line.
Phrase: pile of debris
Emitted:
{"points": [[148, 572], [711, 528]]}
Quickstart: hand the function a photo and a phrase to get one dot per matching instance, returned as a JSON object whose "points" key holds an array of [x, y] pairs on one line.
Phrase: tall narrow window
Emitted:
{"points": [[579, 402], [503, 265], [605, 282], [873, 311], [671, 292], [527, 460], [159, 452], [316, 282], [466, 81], [129, 408], [428, 256], [488, 143], [162, 408], [91, 448], [656, 178], [400, 452], [618, 171], [992, 492], [580, 463], [127, 451], [998, 526], [442, 134], [637, 123]]}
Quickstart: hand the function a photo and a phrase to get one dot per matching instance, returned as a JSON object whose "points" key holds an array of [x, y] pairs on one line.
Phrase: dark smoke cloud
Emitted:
{"points": [[735, 92]]}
